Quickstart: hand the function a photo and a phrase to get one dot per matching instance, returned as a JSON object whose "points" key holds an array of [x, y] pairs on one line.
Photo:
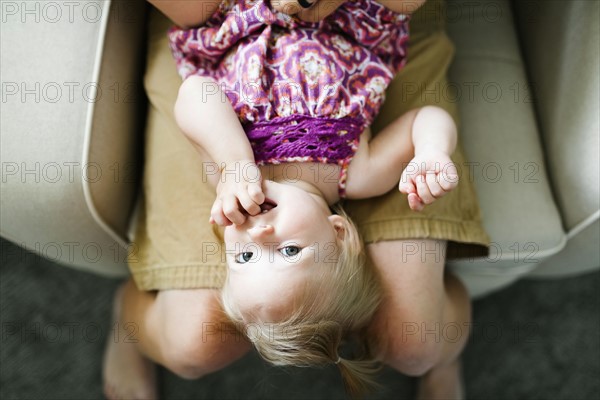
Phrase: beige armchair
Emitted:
{"points": [[72, 132]]}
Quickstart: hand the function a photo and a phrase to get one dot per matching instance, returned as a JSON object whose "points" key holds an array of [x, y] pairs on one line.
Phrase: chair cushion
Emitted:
{"points": [[67, 124], [560, 42], [500, 138]]}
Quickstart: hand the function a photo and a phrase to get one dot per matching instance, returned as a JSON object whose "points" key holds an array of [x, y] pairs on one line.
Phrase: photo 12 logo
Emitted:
{"points": [[69, 92], [54, 12]]}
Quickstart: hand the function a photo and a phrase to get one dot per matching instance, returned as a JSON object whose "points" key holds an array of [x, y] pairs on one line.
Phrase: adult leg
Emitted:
{"points": [[424, 316], [419, 291], [184, 330]]}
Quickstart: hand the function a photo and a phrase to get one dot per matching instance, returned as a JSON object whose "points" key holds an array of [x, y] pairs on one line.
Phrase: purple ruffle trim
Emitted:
{"points": [[305, 138]]}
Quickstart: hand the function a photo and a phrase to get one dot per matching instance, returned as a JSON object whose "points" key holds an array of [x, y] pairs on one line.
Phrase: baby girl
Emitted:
{"points": [[282, 108]]}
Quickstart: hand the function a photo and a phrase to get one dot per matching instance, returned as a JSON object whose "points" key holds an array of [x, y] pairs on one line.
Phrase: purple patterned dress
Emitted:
{"points": [[303, 91]]}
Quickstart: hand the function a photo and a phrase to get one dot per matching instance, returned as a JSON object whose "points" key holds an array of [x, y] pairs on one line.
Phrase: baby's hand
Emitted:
{"points": [[427, 177], [239, 193]]}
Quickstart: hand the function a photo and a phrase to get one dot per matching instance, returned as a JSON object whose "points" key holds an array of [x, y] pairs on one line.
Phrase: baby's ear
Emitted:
{"points": [[339, 223]]}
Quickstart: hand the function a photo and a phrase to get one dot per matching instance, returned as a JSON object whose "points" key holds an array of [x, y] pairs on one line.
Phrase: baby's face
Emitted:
{"points": [[273, 254]]}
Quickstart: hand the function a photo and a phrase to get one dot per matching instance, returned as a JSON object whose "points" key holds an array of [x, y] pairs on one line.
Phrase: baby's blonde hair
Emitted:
{"points": [[340, 302]]}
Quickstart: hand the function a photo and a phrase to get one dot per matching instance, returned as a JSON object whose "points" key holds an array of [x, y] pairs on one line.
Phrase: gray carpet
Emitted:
{"points": [[534, 340]]}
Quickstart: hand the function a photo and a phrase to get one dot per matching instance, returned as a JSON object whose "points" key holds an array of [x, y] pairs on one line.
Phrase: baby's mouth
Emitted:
{"points": [[267, 206]]}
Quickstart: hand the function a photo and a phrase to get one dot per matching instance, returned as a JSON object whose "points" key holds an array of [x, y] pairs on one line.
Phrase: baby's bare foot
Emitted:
{"points": [[444, 382], [127, 374]]}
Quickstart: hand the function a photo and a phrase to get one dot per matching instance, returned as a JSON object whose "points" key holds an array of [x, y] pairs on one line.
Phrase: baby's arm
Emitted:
{"points": [[420, 142], [431, 173], [206, 117]]}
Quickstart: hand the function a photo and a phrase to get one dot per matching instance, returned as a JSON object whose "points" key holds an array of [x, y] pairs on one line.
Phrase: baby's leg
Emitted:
{"points": [[184, 330], [424, 316]]}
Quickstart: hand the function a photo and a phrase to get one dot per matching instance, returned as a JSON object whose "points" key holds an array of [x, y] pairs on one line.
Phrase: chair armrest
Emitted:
{"points": [[560, 42], [71, 129], [499, 135]]}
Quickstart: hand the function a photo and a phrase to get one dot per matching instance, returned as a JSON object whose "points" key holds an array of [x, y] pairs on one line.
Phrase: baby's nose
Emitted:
{"points": [[260, 231]]}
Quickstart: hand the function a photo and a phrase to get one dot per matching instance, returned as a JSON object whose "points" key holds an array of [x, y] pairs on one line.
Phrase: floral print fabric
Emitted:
{"points": [[278, 71]]}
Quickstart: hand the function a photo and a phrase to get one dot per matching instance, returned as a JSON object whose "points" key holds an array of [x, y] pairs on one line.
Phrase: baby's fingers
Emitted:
{"points": [[433, 182], [407, 184], [414, 202], [423, 190], [216, 214], [448, 178], [248, 204], [256, 194], [231, 209]]}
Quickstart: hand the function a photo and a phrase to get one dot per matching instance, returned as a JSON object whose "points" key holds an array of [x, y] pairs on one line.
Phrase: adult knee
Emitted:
{"points": [[195, 352], [412, 353], [184, 357]]}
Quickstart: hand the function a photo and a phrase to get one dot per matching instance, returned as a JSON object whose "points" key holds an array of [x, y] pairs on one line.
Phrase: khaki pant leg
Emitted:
{"points": [[455, 217], [174, 243]]}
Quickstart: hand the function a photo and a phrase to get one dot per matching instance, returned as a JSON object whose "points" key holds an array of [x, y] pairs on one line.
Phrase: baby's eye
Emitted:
{"points": [[290, 251], [244, 257]]}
